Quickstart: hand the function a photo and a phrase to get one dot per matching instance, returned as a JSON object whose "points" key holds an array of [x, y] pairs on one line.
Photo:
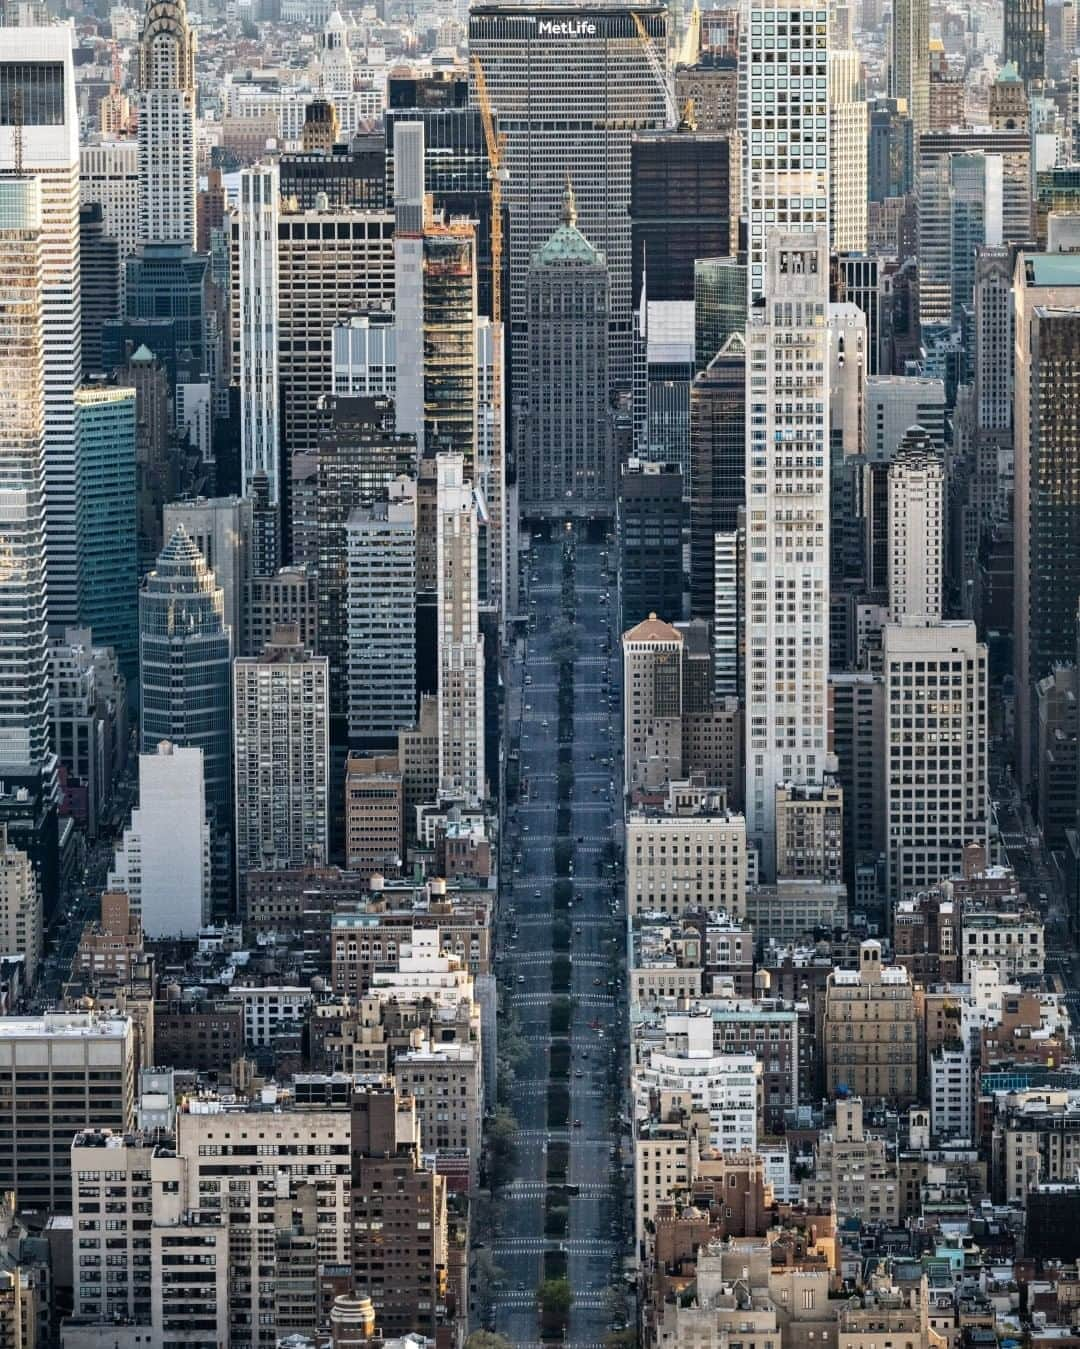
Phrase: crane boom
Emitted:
{"points": [[658, 68], [497, 175]]}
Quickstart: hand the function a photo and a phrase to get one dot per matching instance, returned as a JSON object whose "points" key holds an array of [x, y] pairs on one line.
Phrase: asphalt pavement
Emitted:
{"points": [[1040, 879], [65, 930], [593, 1242]]}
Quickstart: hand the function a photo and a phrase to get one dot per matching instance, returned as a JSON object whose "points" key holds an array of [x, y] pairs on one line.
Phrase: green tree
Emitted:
{"points": [[555, 1297], [487, 1339], [488, 1275], [502, 1145], [512, 1048]]}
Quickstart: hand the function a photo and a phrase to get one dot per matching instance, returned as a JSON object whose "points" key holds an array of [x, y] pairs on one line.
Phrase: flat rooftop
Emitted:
{"points": [[1052, 269], [61, 1024]]}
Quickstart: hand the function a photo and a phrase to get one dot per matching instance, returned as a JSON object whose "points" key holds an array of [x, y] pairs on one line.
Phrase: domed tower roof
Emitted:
{"points": [[167, 47]]}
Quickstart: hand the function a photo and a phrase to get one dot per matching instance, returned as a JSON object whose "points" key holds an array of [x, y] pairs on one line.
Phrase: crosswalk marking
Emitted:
{"points": [[585, 775], [592, 717], [516, 1298], [594, 962], [584, 999], [563, 1344], [533, 1089], [534, 1189], [537, 1245]]}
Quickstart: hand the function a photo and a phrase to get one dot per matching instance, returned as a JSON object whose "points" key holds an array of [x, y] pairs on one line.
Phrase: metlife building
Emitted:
{"points": [[570, 83]]}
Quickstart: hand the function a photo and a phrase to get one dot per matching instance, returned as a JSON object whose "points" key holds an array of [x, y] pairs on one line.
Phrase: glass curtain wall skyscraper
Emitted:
{"points": [[1025, 40], [24, 677], [185, 653], [39, 111]]}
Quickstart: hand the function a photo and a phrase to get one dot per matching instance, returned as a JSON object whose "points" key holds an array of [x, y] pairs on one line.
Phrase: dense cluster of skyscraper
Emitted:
{"points": [[364, 373]]}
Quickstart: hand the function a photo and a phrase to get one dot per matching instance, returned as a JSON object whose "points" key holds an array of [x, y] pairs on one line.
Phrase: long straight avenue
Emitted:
{"points": [[561, 942]]}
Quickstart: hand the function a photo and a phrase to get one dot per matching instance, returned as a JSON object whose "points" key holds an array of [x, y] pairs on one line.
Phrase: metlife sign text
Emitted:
{"points": [[566, 28]]}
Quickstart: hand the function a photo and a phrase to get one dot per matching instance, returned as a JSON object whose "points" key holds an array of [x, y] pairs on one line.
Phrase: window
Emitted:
{"points": [[39, 85]]}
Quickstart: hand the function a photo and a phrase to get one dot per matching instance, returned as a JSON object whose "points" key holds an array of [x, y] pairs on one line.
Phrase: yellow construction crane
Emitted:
{"points": [[658, 68], [497, 175]]}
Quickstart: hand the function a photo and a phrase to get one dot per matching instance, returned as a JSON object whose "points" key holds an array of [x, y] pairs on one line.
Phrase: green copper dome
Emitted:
{"points": [[568, 244]]}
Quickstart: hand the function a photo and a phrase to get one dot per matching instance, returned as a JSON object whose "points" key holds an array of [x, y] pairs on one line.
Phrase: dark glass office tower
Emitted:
{"points": [[168, 281], [891, 151], [1047, 505], [650, 541], [1025, 40], [185, 648], [684, 205], [719, 304], [718, 465], [352, 174], [862, 277], [99, 274]]}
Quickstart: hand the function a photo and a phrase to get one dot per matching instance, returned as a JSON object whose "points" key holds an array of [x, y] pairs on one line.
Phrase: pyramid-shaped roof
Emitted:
{"points": [[568, 244], [180, 550], [653, 629]]}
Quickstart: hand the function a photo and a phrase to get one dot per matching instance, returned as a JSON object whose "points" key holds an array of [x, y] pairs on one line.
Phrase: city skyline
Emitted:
{"points": [[539, 674]]}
